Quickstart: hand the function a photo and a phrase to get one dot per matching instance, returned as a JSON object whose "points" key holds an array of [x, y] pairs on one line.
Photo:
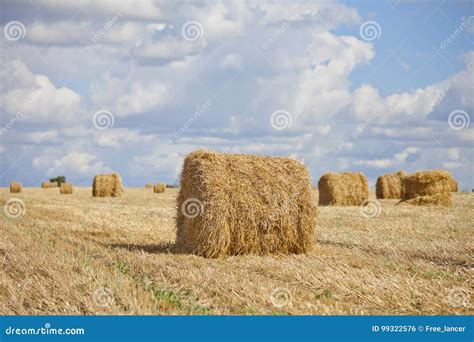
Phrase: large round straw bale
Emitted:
{"points": [[159, 188], [46, 185], [53, 185], [66, 189], [345, 189], [454, 185], [427, 188], [16, 187], [107, 185], [148, 185], [389, 186], [230, 204]]}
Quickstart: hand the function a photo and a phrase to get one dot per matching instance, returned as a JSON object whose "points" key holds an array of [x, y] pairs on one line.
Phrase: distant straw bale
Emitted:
{"points": [[344, 189], [148, 185], [53, 185], [427, 188], [107, 185], [230, 204], [159, 188], [46, 185], [16, 187], [454, 185], [389, 186], [66, 189]]}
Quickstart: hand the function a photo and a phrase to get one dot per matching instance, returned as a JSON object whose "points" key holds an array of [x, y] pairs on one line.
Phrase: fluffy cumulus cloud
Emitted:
{"points": [[34, 97], [73, 163], [293, 79]]}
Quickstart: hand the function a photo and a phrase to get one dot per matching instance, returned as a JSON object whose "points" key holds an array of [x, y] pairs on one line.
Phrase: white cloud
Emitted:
{"points": [[232, 61], [124, 97], [323, 87], [147, 9], [396, 161], [74, 162], [33, 98]]}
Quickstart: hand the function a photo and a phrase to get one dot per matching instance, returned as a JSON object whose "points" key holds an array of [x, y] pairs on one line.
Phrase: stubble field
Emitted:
{"points": [[75, 254]]}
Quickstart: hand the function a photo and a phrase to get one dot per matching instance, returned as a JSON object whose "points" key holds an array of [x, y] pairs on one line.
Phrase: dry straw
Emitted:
{"points": [[231, 204], [16, 187], [427, 188], [345, 189], [159, 188], [148, 185], [54, 185], [46, 185], [454, 185], [389, 186], [107, 185], [66, 189]]}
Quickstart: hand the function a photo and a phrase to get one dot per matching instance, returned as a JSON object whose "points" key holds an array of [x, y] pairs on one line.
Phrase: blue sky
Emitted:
{"points": [[372, 86]]}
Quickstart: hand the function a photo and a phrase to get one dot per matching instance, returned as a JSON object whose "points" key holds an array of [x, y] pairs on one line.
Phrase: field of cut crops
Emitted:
{"points": [[78, 254]]}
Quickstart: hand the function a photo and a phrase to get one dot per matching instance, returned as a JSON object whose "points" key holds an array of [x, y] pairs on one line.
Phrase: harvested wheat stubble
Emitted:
{"points": [[45, 185], [66, 189], [159, 188], [107, 185], [427, 188], [53, 185], [345, 189], [454, 185], [389, 186], [148, 185], [16, 187], [231, 204]]}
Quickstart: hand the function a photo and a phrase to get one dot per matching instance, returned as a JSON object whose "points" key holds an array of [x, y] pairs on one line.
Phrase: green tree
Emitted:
{"points": [[59, 179]]}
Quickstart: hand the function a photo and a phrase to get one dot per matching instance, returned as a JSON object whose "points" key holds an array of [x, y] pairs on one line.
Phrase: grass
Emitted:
{"points": [[407, 260]]}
